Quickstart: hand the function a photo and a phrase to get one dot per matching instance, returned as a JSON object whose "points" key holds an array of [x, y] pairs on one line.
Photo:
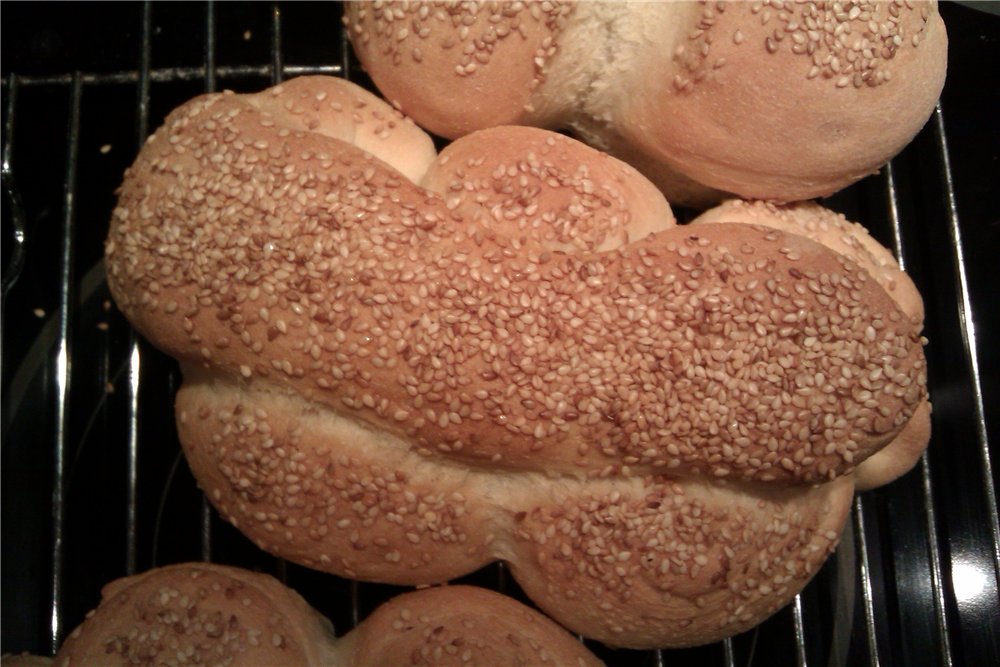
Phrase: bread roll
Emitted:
{"points": [[524, 358], [202, 614], [767, 100]]}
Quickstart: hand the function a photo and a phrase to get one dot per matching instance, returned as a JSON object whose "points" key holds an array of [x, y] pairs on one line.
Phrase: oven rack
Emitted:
{"points": [[95, 486]]}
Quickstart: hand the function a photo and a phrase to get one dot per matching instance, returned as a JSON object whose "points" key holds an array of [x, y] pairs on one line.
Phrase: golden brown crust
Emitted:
{"points": [[547, 187], [763, 99], [460, 40], [326, 491], [790, 112], [460, 625], [480, 342], [853, 241], [211, 614], [632, 562], [359, 349], [676, 564], [203, 614], [834, 231]]}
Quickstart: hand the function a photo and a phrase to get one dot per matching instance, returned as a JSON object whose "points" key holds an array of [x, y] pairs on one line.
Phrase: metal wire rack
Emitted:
{"points": [[94, 486]]}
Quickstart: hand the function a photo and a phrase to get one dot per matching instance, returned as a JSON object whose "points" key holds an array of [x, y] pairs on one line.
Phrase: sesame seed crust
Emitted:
{"points": [[852, 241], [835, 232], [198, 614], [326, 491], [529, 317], [370, 295], [461, 625], [462, 41], [203, 614], [769, 99], [781, 119], [637, 562], [676, 564]]}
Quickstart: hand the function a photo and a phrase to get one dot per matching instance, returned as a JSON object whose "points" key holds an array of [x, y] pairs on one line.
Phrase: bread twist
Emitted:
{"points": [[521, 357]]}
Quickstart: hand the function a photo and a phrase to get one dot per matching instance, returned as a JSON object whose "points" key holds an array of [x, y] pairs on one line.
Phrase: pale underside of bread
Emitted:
{"points": [[537, 324], [765, 102], [205, 614]]}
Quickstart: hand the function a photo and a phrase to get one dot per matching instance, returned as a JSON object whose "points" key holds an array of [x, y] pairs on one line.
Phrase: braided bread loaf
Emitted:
{"points": [[769, 100], [202, 614], [521, 358]]}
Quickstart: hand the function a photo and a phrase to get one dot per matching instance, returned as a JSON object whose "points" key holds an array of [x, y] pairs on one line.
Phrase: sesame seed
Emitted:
{"points": [[538, 341]]}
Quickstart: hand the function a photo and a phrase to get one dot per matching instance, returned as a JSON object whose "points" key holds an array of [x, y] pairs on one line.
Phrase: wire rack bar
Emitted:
{"points": [[968, 328], [277, 71], [210, 87], [937, 580], [134, 355], [355, 603], [16, 262], [63, 362], [173, 74], [12, 82], [866, 581], [210, 47], [800, 633], [728, 656], [345, 50], [933, 543], [892, 203]]}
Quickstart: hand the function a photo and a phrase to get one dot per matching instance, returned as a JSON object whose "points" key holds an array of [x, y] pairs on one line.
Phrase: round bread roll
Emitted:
{"points": [[202, 614], [522, 358], [461, 625], [768, 100]]}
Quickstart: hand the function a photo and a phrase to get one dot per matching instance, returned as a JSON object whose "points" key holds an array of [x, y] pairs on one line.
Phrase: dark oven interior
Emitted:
{"points": [[95, 487]]}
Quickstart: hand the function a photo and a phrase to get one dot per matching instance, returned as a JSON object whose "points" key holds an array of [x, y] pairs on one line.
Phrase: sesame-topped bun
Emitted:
{"points": [[769, 100], [461, 625], [203, 614], [521, 358], [199, 614]]}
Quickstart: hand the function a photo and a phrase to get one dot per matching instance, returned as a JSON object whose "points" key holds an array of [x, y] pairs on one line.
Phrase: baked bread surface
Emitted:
{"points": [[511, 351], [205, 614], [769, 100]]}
